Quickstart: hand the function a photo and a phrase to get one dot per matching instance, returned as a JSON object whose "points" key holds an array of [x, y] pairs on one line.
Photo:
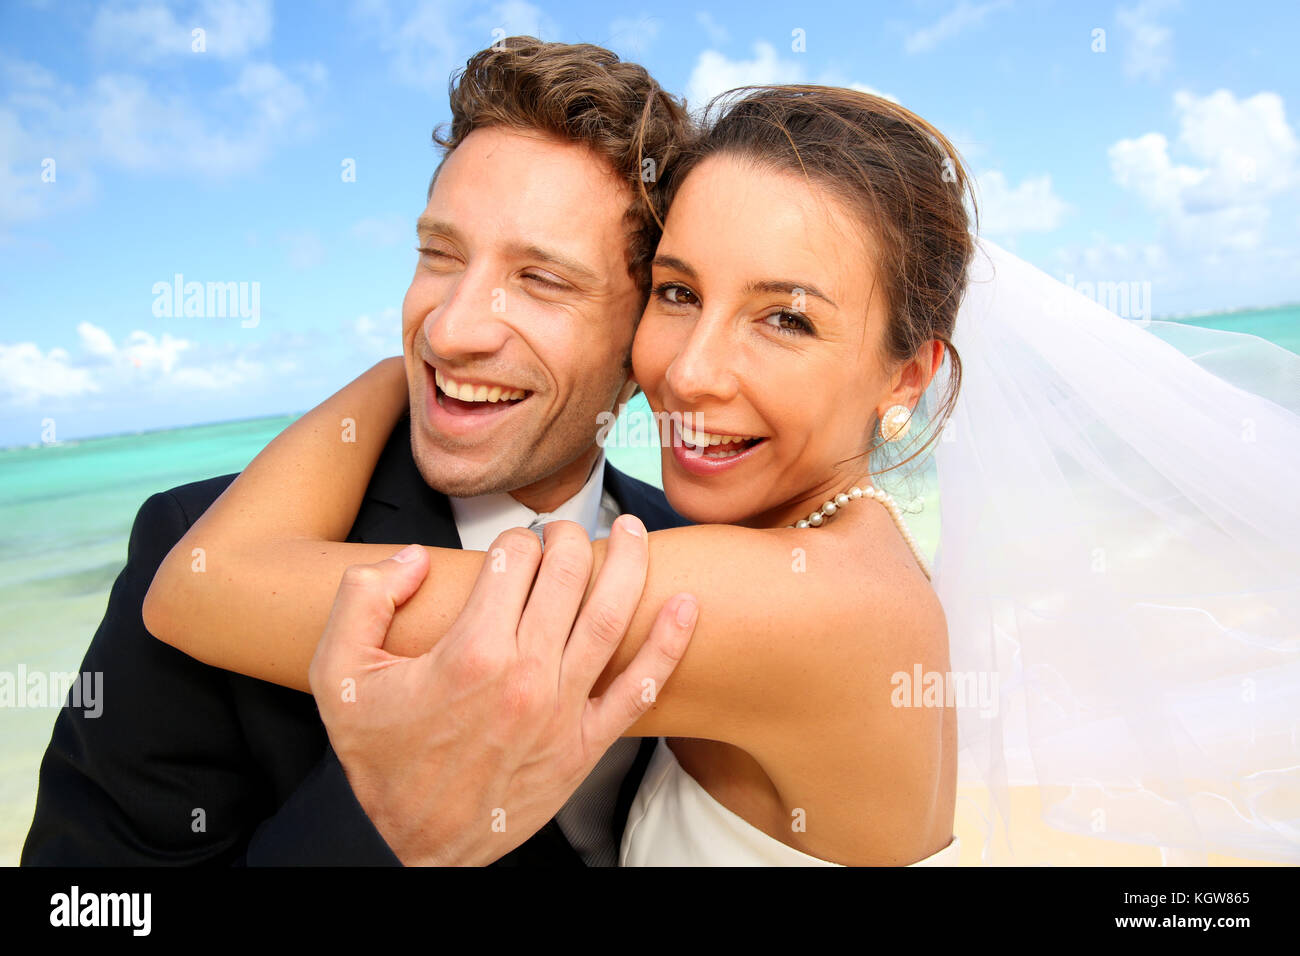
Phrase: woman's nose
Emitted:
{"points": [[703, 368]]}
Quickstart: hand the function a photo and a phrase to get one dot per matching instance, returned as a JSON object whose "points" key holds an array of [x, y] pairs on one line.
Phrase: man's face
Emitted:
{"points": [[518, 323]]}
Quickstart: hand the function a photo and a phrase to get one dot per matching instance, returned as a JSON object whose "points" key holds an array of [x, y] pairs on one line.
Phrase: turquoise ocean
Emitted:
{"points": [[65, 515]]}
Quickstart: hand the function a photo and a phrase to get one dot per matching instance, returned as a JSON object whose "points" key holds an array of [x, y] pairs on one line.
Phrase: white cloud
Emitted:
{"points": [[43, 153], [95, 340], [1241, 154], [421, 49], [716, 73], [635, 35], [217, 376], [234, 28], [518, 18], [961, 17], [379, 337], [1147, 43], [148, 32], [139, 350], [872, 91], [1211, 190], [56, 137], [425, 45], [142, 127], [28, 375], [141, 360], [717, 32], [1006, 210]]}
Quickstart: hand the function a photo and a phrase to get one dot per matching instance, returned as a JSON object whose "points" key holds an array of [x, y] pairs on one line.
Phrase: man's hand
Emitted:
{"points": [[460, 755]]}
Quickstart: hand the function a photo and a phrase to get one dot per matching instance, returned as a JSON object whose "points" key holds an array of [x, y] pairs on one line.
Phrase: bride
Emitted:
{"points": [[1111, 568]]}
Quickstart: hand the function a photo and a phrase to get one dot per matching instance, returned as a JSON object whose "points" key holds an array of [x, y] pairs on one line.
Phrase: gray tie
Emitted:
{"points": [[587, 819], [538, 524]]}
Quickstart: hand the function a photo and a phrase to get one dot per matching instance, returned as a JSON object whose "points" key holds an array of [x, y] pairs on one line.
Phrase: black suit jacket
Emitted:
{"points": [[189, 764]]}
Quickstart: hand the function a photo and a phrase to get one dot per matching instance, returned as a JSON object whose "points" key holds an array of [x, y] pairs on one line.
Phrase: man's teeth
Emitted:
{"points": [[475, 393], [699, 439]]}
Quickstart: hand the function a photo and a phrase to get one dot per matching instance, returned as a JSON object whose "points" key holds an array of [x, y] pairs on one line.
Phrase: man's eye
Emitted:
{"points": [[432, 253], [545, 279], [790, 323], [676, 294]]}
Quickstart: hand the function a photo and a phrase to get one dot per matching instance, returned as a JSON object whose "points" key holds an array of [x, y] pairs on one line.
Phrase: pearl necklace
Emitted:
{"points": [[832, 505]]}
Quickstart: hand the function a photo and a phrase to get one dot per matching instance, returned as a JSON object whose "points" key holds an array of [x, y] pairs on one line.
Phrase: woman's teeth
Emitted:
{"points": [[704, 442], [475, 393]]}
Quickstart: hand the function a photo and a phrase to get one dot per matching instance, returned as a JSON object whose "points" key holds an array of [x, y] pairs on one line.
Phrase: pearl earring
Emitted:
{"points": [[895, 422]]}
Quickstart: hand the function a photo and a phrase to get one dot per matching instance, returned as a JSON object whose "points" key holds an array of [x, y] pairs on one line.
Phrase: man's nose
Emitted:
{"points": [[703, 368], [471, 321]]}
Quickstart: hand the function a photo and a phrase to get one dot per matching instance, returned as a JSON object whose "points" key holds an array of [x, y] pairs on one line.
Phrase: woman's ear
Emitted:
{"points": [[914, 376]]}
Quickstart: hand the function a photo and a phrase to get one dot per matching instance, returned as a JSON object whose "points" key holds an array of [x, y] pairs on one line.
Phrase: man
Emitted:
{"points": [[534, 269]]}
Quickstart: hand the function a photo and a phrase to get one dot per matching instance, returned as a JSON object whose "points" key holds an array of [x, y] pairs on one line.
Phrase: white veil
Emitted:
{"points": [[1119, 557]]}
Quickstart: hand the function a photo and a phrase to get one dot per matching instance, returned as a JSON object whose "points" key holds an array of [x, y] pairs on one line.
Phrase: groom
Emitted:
{"points": [[533, 272]]}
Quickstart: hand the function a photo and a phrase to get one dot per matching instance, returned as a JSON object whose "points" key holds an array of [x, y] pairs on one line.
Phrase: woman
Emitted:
{"points": [[805, 295]]}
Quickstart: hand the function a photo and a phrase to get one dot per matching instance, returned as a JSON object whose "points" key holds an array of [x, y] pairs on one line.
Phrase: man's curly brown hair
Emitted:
{"points": [[585, 94]]}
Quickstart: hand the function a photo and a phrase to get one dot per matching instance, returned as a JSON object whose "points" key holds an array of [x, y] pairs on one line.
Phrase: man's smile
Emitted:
{"points": [[465, 408]]}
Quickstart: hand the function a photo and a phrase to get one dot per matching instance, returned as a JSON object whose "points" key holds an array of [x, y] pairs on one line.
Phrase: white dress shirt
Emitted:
{"points": [[586, 820], [479, 520]]}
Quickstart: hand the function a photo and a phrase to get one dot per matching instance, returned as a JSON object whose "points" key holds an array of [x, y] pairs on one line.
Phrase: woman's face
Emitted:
{"points": [[765, 322]]}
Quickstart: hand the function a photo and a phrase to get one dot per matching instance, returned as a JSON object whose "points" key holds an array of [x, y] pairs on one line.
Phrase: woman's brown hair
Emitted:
{"points": [[900, 173]]}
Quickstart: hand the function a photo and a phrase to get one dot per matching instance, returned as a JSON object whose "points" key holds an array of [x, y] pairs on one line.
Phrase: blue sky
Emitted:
{"points": [[1163, 150]]}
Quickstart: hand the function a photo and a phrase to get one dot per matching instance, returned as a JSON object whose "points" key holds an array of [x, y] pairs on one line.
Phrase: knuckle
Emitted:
{"points": [[605, 622], [519, 543], [568, 553], [521, 696], [568, 568], [569, 532], [478, 664], [362, 577]]}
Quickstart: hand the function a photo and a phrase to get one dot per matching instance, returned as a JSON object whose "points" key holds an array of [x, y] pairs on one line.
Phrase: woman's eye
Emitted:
{"points": [[676, 294], [790, 323]]}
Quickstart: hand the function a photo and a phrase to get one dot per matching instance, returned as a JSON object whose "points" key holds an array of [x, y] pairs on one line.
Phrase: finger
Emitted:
{"points": [[608, 610], [557, 594], [635, 691], [493, 608], [368, 597]]}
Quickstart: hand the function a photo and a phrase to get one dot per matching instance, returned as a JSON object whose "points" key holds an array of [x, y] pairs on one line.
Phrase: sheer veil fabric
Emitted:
{"points": [[1119, 561]]}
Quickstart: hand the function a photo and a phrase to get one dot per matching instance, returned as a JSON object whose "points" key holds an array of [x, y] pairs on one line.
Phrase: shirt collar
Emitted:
{"points": [[481, 518]]}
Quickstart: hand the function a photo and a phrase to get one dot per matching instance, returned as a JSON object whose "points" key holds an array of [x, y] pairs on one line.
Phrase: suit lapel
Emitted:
{"points": [[399, 505]]}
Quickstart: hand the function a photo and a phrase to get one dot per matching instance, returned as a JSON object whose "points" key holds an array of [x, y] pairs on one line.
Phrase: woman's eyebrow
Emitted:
{"points": [[786, 286], [677, 265], [790, 288]]}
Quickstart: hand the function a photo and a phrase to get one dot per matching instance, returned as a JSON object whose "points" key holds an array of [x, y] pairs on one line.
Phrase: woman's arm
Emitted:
{"points": [[247, 586], [784, 614]]}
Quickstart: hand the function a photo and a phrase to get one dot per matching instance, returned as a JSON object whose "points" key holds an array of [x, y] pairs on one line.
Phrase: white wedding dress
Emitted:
{"points": [[676, 822]]}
